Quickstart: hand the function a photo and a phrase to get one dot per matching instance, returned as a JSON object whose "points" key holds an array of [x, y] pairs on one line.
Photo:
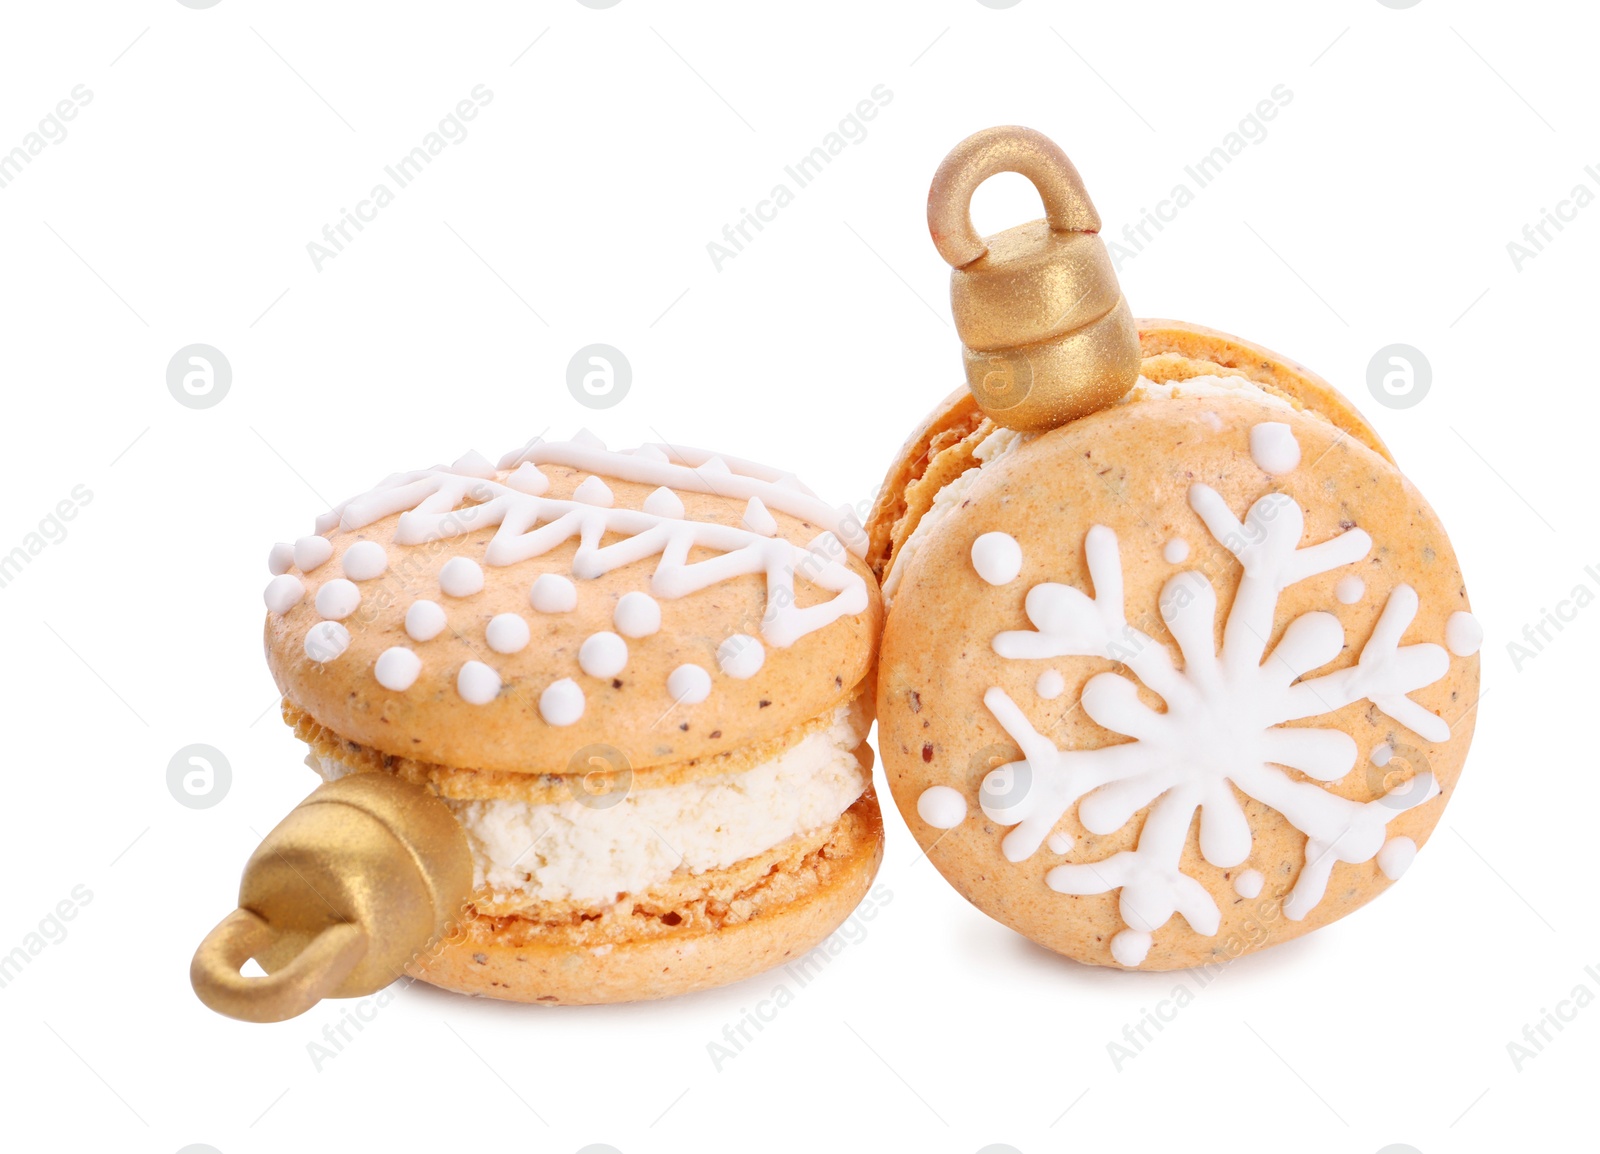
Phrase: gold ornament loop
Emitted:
{"points": [[350, 888], [1048, 336], [1008, 148], [312, 975]]}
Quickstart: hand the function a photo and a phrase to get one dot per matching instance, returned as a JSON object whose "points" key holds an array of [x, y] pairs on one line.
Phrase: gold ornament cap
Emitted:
{"points": [[357, 881], [1047, 333]]}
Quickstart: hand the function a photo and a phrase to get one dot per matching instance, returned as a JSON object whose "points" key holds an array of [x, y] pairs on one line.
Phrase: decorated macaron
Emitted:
{"points": [[1189, 674], [638, 680]]}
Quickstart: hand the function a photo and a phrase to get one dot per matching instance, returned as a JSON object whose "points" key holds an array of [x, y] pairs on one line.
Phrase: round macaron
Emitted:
{"points": [[1181, 679], [641, 681]]}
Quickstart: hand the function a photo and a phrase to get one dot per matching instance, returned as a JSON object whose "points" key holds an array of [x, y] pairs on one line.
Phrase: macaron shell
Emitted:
{"points": [[761, 913], [948, 424], [1172, 350], [1131, 469], [1182, 340], [631, 711], [599, 773]]}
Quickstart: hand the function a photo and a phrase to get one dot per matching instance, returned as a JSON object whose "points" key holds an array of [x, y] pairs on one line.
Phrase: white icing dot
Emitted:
{"points": [[1463, 634], [1130, 947], [942, 807], [326, 640], [603, 655], [1396, 857], [553, 593], [716, 466], [758, 520], [528, 479], [461, 577], [689, 684], [425, 620], [588, 439], [309, 552], [507, 633], [279, 558], [997, 557], [1176, 551], [1381, 754], [651, 453], [1274, 448], [593, 491], [1350, 589], [337, 599], [562, 702], [664, 503], [637, 615], [1050, 685], [1248, 883], [477, 683], [397, 668], [283, 593], [741, 656], [364, 560], [1060, 842]]}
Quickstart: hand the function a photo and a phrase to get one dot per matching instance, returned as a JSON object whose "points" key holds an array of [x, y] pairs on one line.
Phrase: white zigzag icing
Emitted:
{"points": [[445, 502]]}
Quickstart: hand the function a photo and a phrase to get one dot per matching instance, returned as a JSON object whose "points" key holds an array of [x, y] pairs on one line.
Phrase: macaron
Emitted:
{"points": [[1178, 680], [641, 681]]}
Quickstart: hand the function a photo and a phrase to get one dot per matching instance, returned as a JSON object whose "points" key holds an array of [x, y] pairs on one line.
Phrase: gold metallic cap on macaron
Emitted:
{"points": [[1047, 334], [338, 899]]}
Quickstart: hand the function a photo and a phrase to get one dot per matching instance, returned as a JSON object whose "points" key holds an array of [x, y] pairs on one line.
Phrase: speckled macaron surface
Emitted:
{"points": [[668, 602], [1187, 677]]}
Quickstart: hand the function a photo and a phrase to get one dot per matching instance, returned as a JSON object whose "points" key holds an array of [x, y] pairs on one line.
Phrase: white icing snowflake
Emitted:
{"points": [[1225, 725]]}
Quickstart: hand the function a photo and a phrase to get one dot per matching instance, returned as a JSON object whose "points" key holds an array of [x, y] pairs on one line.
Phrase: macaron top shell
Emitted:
{"points": [[660, 604], [1172, 350], [1180, 651]]}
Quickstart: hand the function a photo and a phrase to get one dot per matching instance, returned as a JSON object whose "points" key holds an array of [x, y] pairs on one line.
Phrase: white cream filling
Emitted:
{"points": [[1144, 390], [1002, 442], [589, 851]]}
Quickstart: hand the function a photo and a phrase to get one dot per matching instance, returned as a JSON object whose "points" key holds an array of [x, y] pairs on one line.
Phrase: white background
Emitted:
{"points": [[178, 208]]}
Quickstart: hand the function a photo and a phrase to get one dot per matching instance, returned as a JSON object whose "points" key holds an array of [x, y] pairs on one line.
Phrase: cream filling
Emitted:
{"points": [[1002, 442], [590, 851], [1147, 390]]}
